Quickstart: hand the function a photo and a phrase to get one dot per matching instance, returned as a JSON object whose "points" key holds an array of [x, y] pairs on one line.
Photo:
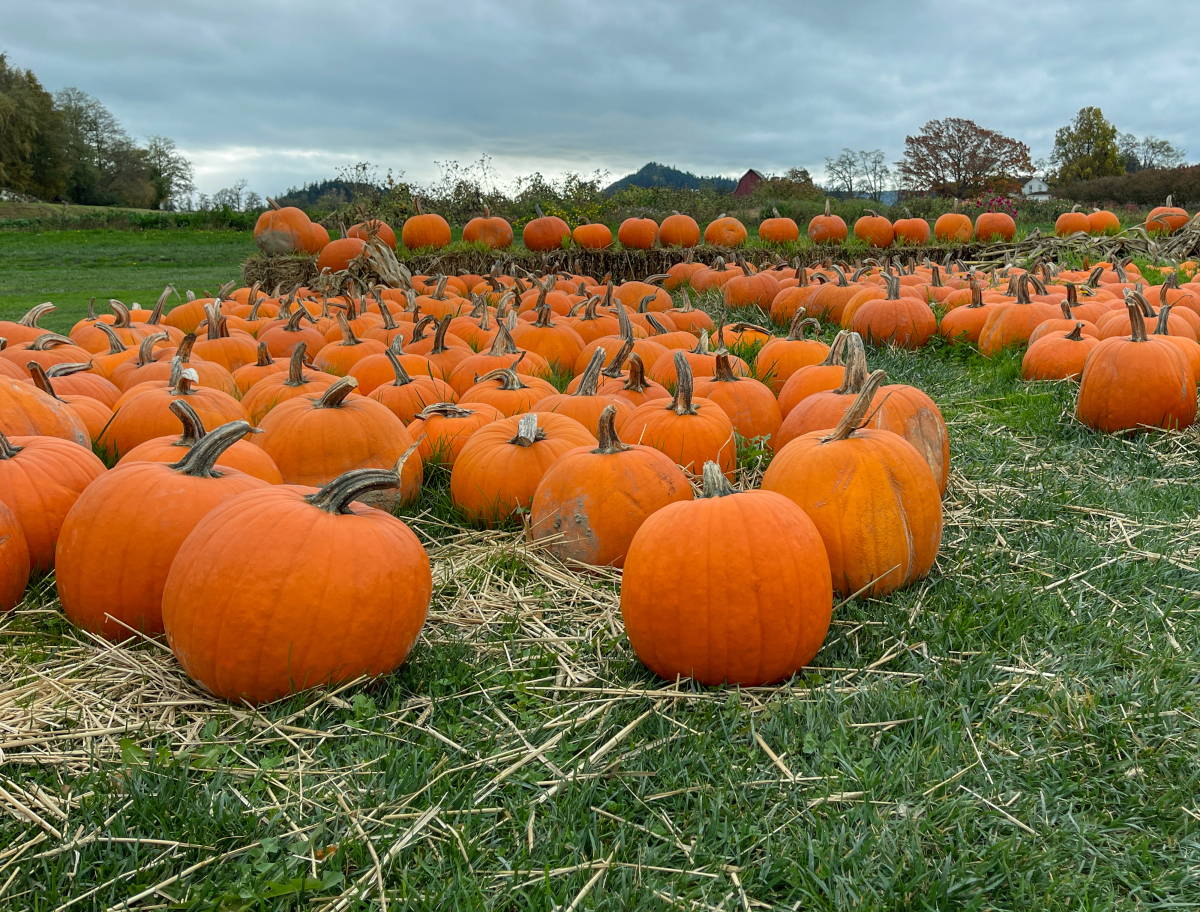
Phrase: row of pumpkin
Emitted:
{"points": [[283, 230], [136, 550]]}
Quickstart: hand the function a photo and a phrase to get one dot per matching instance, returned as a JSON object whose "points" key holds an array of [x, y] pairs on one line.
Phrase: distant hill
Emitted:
{"points": [[656, 175], [326, 194]]}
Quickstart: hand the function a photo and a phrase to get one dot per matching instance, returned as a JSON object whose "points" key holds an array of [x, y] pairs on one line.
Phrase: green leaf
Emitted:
{"points": [[131, 754]]}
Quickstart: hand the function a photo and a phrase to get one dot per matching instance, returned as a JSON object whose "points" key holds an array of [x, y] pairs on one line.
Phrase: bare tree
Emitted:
{"points": [[843, 172], [957, 157], [230, 197], [1159, 153], [874, 172]]}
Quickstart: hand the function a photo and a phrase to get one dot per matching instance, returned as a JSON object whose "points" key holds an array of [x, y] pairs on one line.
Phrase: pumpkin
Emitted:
{"points": [[953, 227], [282, 230], [591, 501], [40, 479], [282, 338], [756, 289], [508, 391], [827, 228], [1183, 342], [794, 299], [249, 374], [81, 380], [503, 354], [910, 230], [1067, 324], [593, 236], [780, 358], [637, 233], [1101, 221], [679, 230], [690, 430], [701, 363], [1166, 219], [702, 599], [832, 297], [895, 319], [1011, 325], [27, 411], [156, 365], [188, 316], [442, 429], [373, 228], [499, 468], [558, 343], [871, 496], [750, 405], [226, 348], [8, 368], [338, 358], [46, 349], [815, 378], [305, 617], [314, 439], [492, 231], [1135, 382], [336, 256], [1058, 355], [991, 226], [904, 410], [94, 335], [874, 229], [443, 351], [241, 454], [26, 329], [14, 559], [633, 387], [94, 414], [585, 404], [271, 391], [408, 395], [964, 324], [424, 230], [725, 231], [144, 412], [546, 232], [778, 229], [1072, 222], [119, 539]]}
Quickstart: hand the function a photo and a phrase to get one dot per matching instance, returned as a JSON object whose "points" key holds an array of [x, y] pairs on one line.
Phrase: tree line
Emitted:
{"points": [[67, 146]]}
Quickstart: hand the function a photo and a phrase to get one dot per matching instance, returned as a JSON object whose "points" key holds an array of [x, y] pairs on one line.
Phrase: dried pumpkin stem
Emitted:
{"points": [[445, 410], [337, 393], [715, 483], [40, 380], [1075, 335], [115, 345], [202, 457], [337, 496], [182, 384], [681, 402], [402, 376], [264, 356], [508, 377], [38, 311], [348, 337], [193, 427], [799, 323], [855, 415], [528, 432], [66, 370], [146, 348], [617, 365], [589, 380], [47, 341], [296, 365], [856, 375], [123, 320], [606, 434], [7, 449]]}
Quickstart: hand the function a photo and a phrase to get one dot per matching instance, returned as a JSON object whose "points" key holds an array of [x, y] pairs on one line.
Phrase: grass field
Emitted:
{"points": [[1019, 730]]}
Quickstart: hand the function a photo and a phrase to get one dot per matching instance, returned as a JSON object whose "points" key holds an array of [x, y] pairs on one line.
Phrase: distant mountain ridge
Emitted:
{"points": [[655, 175]]}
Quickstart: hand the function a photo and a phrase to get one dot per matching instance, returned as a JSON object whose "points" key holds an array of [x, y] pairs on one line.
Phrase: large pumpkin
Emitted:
{"points": [[953, 227], [283, 229], [780, 358], [40, 479], [778, 229], [729, 588], [305, 616], [874, 229], [546, 232], [278, 388], [992, 226], [14, 560], [336, 256], [425, 230], [637, 233], [725, 231], [679, 230], [118, 541], [364, 231], [827, 228], [593, 236], [749, 403], [26, 411], [491, 231], [591, 502], [871, 495], [443, 429]]}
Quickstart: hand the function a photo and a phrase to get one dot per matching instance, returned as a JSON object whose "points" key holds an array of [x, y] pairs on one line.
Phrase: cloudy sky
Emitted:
{"points": [[281, 93]]}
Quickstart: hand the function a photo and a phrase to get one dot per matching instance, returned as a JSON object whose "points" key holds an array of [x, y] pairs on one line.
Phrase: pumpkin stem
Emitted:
{"points": [[65, 370], [681, 402], [123, 320], [715, 483], [46, 341], [644, 303], [857, 413], [402, 376], [203, 455], [589, 380], [856, 375], [1076, 335], [444, 410], [336, 394], [439, 336], [658, 328], [528, 432], [7, 449], [193, 427], [157, 312], [115, 345], [40, 380], [184, 352], [606, 434], [348, 337], [183, 383], [892, 283], [799, 323], [836, 356], [635, 378], [976, 295], [213, 321], [1066, 309], [616, 366], [35, 313], [702, 343], [544, 313], [337, 496], [418, 330], [723, 371], [146, 348], [264, 356], [1164, 313], [296, 365]]}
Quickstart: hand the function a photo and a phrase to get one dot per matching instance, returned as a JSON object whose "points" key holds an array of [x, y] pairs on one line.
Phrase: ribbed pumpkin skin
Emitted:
{"points": [[119, 539], [690, 440], [40, 484], [14, 560], [493, 477], [147, 414], [874, 500], [1055, 357], [593, 503], [26, 411], [679, 231], [442, 438], [352, 606], [242, 455], [313, 446], [731, 589], [1126, 385]]}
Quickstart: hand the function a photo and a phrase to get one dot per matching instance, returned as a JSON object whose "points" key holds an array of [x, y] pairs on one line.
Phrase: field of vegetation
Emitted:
{"points": [[1017, 730]]}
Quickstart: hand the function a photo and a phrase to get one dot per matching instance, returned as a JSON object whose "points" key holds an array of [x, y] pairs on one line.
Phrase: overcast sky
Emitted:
{"points": [[281, 93]]}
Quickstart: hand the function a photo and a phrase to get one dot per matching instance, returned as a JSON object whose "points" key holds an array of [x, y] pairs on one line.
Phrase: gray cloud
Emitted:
{"points": [[283, 92]]}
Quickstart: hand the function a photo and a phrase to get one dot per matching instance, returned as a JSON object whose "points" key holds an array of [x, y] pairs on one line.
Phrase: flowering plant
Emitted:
{"points": [[990, 202]]}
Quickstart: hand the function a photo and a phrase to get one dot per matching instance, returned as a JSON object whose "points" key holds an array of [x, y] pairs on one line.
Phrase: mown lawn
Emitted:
{"points": [[1020, 730]]}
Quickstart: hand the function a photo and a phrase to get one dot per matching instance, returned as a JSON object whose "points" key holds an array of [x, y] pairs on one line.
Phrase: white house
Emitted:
{"points": [[1036, 189]]}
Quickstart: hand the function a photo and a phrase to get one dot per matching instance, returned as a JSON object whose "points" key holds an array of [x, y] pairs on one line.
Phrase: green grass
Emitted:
{"points": [[992, 738]]}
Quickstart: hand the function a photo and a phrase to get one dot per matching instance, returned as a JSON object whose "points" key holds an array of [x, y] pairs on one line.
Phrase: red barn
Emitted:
{"points": [[749, 181]]}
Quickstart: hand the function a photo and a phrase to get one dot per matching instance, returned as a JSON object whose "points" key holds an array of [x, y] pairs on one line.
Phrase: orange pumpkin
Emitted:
{"points": [[992, 226], [26, 411], [546, 232], [271, 391], [408, 395], [135, 518], [694, 618], [1058, 355], [14, 560], [637, 233], [827, 228], [585, 404], [352, 607], [895, 319], [364, 231], [953, 227], [679, 230], [750, 405], [593, 236], [778, 229], [336, 256], [94, 414], [874, 229], [282, 230], [1166, 219], [81, 380], [424, 230], [493, 232], [1101, 221], [512, 393], [443, 429], [725, 231], [780, 358], [910, 230], [1072, 222]]}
